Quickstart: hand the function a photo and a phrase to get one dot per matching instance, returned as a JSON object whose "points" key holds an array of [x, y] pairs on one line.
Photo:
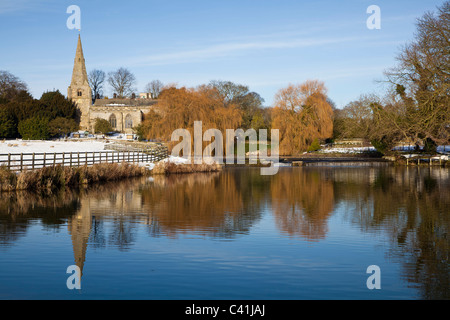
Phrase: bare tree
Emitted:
{"points": [[154, 87], [10, 85], [229, 91], [420, 110], [96, 80], [355, 120], [250, 103], [122, 81]]}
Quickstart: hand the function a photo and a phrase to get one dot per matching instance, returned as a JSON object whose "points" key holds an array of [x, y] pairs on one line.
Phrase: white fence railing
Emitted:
{"points": [[31, 161]]}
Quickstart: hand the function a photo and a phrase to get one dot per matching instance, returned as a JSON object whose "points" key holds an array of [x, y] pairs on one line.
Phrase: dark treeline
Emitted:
{"points": [[22, 116]]}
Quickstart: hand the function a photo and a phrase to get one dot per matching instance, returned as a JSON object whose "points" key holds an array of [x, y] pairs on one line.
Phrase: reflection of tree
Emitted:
{"points": [[203, 203], [302, 201], [18, 209], [123, 232], [422, 240], [413, 207]]}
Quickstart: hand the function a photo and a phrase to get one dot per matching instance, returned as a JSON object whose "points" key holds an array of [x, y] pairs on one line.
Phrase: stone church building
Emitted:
{"points": [[122, 114]]}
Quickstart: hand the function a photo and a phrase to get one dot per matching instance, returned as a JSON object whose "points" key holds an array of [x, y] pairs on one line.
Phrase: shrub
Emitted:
{"points": [[314, 146], [62, 126], [102, 126], [35, 128], [382, 146]]}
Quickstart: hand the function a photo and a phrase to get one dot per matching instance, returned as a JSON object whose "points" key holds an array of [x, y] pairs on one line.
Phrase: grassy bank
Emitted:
{"points": [[172, 168], [50, 178]]}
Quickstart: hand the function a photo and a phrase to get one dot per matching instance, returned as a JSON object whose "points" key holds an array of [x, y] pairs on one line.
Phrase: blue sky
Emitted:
{"points": [[265, 44]]}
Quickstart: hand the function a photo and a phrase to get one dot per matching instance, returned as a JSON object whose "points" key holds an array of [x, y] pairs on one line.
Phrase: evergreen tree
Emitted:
{"points": [[35, 128], [8, 124]]}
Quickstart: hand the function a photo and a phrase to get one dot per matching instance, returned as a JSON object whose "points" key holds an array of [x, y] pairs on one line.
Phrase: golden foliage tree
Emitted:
{"points": [[180, 108], [302, 114]]}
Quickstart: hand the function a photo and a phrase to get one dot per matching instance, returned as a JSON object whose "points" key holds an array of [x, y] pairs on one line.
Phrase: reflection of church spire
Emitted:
{"points": [[80, 228]]}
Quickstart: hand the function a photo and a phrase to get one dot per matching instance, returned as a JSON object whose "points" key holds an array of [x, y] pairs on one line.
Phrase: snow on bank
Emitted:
{"points": [[171, 159], [439, 149], [355, 150], [348, 150]]}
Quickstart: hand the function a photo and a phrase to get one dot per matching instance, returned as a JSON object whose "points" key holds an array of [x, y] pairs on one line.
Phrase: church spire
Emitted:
{"points": [[79, 74], [79, 90]]}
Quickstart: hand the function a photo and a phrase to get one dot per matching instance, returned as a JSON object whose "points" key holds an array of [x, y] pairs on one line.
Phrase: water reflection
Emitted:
{"points": [[19, 209], [218, 205], [410, 207], [302, 202]]}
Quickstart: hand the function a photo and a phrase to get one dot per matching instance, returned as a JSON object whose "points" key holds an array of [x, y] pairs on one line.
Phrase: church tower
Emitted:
{"points": [[79, 90]]}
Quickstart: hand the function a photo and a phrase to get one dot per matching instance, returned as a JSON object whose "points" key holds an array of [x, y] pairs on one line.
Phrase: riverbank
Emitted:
{"points": [[51, 178], [167, 167]]}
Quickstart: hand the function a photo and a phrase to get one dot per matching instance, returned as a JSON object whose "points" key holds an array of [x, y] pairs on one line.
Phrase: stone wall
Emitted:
{"points": [[123, 114]]}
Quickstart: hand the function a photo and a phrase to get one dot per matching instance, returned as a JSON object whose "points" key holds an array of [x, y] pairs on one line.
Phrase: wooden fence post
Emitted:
{"points": [[9, 161], [32, 162], [21, 161]]}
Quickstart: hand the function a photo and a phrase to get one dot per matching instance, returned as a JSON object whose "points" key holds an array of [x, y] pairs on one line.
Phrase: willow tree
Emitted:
{"points": [[180, 108], [302, 114]]}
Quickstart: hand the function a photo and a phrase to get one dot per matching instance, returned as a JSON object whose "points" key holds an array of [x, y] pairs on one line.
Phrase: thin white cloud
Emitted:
{"points": [[9, 6], [232, 48]]}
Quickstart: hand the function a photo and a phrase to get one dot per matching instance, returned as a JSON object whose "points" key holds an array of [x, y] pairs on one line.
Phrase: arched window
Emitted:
{"points": [[128, 121], [79, 93], [113, 121]]}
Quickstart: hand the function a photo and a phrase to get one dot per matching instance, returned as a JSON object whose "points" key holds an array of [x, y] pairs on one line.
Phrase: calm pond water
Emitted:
{"points": [[305, 233]]}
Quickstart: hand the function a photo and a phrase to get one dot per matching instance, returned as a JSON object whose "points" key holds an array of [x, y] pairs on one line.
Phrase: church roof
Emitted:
{"points": [[124, 102]]}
